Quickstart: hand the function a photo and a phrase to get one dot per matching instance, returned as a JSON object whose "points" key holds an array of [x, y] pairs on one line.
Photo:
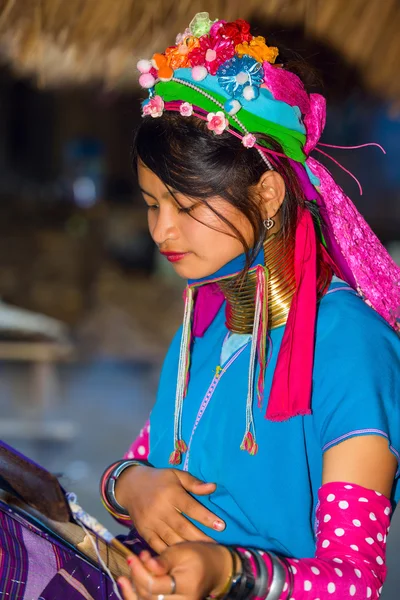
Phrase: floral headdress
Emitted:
{"points": [[221, 73]]}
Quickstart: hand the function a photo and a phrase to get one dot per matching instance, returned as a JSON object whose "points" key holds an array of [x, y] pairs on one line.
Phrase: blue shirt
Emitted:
{"points": [[269, 500]]}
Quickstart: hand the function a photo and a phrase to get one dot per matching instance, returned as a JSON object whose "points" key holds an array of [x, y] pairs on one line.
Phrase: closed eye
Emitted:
{"points": [[185, 211]]}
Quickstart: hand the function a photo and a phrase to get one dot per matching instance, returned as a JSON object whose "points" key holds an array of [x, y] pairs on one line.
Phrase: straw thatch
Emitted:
{"points": [[61, 41]]}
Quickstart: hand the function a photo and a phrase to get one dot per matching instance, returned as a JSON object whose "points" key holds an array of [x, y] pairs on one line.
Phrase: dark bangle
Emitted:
{"points": [[261, 586], [242, 587], [110, 484]]}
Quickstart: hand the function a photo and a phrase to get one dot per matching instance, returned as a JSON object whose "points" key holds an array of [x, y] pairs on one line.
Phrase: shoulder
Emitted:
{"points": [[345, 323]]}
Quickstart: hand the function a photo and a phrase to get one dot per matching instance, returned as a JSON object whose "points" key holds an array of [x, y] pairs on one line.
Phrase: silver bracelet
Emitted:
{"points": [[112, 482], [278, 578], [261, 582]]}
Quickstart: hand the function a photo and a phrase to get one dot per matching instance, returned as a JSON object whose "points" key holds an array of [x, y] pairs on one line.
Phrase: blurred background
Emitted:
{"points": [[87, 309]]}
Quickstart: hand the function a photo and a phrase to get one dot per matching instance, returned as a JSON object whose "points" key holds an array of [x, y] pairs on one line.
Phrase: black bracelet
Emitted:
{"points": [[243, 587]]}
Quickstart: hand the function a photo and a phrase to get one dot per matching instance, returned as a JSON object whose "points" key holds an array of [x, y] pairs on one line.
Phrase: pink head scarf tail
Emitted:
{"points": [[376, 275]]}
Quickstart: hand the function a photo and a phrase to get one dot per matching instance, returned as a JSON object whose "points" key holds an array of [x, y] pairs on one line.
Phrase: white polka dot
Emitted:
{"points": [[325, 543], [338, 572], [343, 504], [369, 592], [331, 588], [373, 573], [293, 569], [296, 560], [379, 537], [380, 590], [285, 587], [348, 487], [307, 586], [354, 547], [130, 454], [338, 560], [379, 560], [339, 532], [372, 516], [358, 573], [387, 511], [362, 500], [247, 554], [315, 570], [141, 450], [327, 518], [369, 541], [384, 539], [356, 523], [331, 497], [352, 590], [378, 493]]}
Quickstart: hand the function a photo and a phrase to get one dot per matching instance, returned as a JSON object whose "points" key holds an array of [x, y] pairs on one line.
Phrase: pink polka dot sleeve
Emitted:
{"points": [[140, 448], [352, 523]]}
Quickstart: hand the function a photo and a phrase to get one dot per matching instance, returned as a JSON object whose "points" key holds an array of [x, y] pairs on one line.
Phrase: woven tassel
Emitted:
{"points": [[180, 445], [262, 290], [258, 344]]}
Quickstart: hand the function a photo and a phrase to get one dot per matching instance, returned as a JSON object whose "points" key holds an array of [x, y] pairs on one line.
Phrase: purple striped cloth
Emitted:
{"points": [[35, 566]]}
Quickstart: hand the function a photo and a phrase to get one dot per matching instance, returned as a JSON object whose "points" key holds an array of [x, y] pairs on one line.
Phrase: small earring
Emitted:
{"points": [[268, 223]]}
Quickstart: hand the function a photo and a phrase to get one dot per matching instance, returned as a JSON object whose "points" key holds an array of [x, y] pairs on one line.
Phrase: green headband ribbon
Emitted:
{"points": [[292, 142]]}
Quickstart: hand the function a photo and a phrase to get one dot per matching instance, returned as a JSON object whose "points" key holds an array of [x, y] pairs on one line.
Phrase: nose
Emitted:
{"points": [[163, 226]]}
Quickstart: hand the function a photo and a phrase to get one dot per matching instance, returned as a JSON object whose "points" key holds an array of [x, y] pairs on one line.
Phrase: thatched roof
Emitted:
{"points": [[62, 41]]}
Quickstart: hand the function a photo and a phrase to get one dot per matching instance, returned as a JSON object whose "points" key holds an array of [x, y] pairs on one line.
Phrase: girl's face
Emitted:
{"points": [[191, 236]]}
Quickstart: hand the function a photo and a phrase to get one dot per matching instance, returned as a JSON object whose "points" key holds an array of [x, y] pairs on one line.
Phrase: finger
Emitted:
{"points": [[127, 589], [154, 566], [142, 579], [193, 509], [194, 485], [187, 530], [154, 540], [168, 534]]}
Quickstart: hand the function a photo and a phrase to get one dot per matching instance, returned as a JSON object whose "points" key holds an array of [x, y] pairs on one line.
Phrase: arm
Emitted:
{"points": [[352, 524]]}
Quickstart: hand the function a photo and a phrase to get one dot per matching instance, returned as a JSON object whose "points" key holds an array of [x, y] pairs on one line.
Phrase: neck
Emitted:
{"points": [[279, 260]]}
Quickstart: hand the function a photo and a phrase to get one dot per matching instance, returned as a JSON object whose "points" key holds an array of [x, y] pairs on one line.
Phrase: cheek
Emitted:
{"points": [[151, 221]]}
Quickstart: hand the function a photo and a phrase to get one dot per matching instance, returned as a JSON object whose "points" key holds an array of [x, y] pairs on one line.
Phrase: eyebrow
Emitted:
{"points": [[165, 195]]}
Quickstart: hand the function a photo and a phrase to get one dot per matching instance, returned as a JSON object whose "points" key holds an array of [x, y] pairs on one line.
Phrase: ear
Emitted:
{"points": [[271, 190]]}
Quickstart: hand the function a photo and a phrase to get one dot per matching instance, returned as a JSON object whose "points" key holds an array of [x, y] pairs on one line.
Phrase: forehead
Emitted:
{"points": [[150, 182]]}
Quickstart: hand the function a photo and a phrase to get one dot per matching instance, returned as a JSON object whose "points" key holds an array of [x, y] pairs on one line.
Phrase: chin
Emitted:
{"points": [[191, 272]]}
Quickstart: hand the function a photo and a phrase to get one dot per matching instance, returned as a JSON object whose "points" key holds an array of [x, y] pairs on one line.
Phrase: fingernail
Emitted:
{"points": [[219, 525], [129, 560]]}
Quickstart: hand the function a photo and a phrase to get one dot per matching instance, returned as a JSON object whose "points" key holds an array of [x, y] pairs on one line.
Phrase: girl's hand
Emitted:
{"points": [[193, 569], [156, 499]]}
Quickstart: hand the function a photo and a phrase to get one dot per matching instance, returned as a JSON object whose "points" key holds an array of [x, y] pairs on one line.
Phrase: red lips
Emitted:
{"points": [[174, 256]]}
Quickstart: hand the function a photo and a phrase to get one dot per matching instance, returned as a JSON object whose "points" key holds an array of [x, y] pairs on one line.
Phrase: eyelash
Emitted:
{"points": [[185, 211]]}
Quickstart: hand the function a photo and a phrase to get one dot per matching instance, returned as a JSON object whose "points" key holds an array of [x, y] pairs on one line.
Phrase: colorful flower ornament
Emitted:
{"points": [[164, 71], [249, 140], [217, 122], [238, 31], [186, 109], [212, 53], [154, 107], [241, 77], [258, 49], [178, 56], [201, 24]]}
